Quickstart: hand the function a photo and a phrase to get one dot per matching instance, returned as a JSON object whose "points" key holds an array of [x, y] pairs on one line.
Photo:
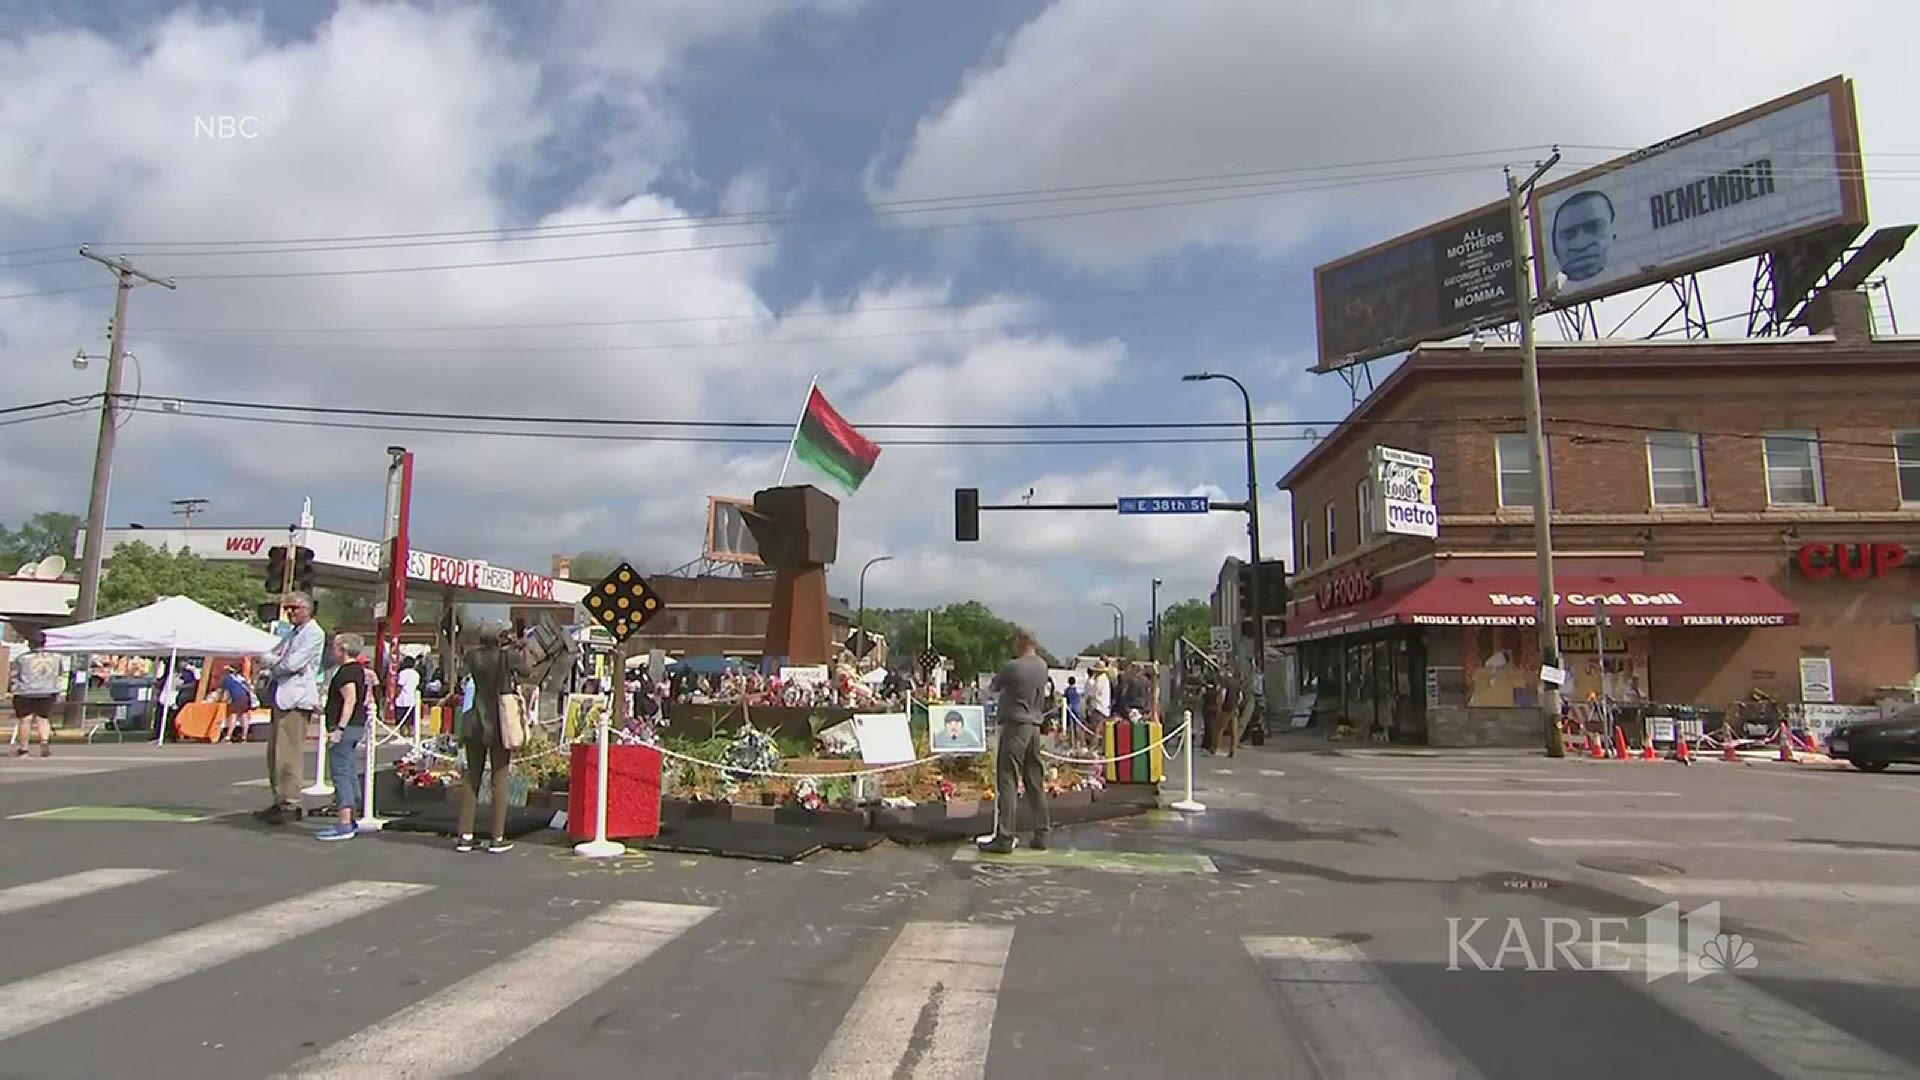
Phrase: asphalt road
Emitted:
{"points": [[1298, 928]]}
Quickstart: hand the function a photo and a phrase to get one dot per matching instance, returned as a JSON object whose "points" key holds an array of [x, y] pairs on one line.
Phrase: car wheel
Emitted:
{"points": [[1872, 766]]}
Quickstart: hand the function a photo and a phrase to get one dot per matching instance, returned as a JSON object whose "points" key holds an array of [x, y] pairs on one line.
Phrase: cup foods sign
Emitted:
{"points": [[1403, 493]]}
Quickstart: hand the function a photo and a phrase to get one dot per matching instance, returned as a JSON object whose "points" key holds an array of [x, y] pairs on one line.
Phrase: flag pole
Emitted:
{"points": [[791, 443]]}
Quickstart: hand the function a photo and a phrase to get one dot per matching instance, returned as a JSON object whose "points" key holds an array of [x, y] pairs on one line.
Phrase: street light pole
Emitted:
{"points": [[1153, 625], [860, 620], [1253, 538], [1545, 619], [1120, 623]]}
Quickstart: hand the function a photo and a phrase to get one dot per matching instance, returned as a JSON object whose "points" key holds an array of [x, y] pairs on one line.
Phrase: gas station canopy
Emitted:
{"points": [[342, 561]]}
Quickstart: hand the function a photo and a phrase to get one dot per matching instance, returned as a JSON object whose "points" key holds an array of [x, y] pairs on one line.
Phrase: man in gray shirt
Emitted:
{"points": [[1020, 686]]}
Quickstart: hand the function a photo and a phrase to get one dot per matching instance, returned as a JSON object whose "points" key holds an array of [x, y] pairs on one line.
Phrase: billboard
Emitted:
{"points": [[728, 539], [1403, 492], [1712, 196], [1429, 284]]}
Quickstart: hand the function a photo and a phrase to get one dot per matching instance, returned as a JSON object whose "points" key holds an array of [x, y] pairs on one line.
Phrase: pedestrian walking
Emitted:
{"points": [[493, 668], [406, 698], [294, 668], [345, 728], [1017, 758], [35, 681]]}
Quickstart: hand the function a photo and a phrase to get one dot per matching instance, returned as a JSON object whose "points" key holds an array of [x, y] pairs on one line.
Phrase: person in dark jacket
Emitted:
{"points": [[497, 663]]}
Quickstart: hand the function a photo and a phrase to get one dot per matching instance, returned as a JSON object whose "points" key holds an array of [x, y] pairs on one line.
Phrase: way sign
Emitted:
{"points": [[1165, 504], [623, 602]]}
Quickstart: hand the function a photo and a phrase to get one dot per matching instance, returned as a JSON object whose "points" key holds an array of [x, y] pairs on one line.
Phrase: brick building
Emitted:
{"points": [[1744, 511]]}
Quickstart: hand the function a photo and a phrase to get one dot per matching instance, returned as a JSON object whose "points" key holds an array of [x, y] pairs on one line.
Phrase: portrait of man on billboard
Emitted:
{"points": [[1583, 235], [958, 729]]}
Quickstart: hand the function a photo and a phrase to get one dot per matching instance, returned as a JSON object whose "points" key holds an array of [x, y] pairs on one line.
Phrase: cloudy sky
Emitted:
{"points": [[686, 209]]}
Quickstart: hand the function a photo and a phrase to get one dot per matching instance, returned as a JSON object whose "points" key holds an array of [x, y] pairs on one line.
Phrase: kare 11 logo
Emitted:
{"points": [[1674, 942]]}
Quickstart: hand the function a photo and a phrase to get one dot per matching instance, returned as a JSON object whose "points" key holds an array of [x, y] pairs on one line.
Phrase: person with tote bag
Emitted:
{"points": [[493, 728]]}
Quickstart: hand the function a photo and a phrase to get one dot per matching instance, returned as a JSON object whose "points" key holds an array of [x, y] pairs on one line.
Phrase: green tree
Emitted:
{"points": [[136, 575], [1119, 648], [973, 637], [1190, 619], [589, 567], [43, 534]]}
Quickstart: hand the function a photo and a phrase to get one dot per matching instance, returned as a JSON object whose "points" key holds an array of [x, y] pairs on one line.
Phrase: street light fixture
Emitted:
{"points": [[1253, 535], [860, 620], [1120, 626]]}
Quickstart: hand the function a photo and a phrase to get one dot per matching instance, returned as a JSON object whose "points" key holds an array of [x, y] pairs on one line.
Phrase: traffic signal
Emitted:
{"points": [[966, 514], [268, 612], [303, 570], [1245, 583], [277, 569], [1274, 594]]}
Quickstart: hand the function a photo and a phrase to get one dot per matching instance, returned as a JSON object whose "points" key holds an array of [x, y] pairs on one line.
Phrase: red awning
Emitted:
{"points": [[1704, 600]]}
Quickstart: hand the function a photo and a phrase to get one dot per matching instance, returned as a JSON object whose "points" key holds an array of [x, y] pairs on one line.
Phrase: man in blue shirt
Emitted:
{"points": [[1073, 710]]}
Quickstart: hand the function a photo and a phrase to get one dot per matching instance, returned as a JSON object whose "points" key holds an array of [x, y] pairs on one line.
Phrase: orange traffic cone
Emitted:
{"points": [[1595, 744], [1786, 743], [1727, 752], [1646, 748], [1680, 752], [1620, 743]]}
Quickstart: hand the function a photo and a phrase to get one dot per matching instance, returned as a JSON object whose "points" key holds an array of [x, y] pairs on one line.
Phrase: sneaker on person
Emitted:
{"points": [[999, 845], [499, 847], [337, 831], [465, 843], [1039, 842]]}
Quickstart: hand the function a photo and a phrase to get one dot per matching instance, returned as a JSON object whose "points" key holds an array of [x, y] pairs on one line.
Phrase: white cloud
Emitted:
{"points": [[1102, 91]]}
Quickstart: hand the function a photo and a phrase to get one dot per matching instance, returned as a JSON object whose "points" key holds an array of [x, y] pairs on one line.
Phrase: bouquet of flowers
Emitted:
{"points": [[424, 769], [751, 751]]}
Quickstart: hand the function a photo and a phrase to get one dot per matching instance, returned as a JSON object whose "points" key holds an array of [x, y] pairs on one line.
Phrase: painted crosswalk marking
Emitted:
{"points": [[1732, 889], [1786, 1041], [1821, 848], [1529, 793], [1355, 1026], [1617, 815], [53, 890], [1478, 778], [56, 995], [464, 1026], [927, 1010]]}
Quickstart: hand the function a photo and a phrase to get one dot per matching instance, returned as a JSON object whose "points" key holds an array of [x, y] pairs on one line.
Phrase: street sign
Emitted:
{"points": [[623, 602], [1165, 504]]}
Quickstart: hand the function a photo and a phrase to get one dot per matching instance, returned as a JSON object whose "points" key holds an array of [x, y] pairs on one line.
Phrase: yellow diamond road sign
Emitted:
{"points": [[623, 602]]}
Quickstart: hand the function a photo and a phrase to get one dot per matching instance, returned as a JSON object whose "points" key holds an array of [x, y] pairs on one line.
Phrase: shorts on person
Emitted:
{"points": [[33, 705]]}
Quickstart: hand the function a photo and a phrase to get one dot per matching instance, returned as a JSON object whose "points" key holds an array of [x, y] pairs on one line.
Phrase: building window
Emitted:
{"points": [[1333, 533], [1305, 555], [1673, 469], [1792, 460], [1906, 457], [1363, 502], [1513, 457]]}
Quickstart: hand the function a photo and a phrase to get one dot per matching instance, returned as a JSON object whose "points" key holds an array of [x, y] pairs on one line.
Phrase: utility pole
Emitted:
{"points": [[1544, 619], [87, 606], [187, 508], [1153, 626]]}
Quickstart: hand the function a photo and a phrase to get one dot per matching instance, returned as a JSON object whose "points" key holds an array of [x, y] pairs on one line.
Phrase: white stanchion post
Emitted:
{"points": [[321, 785], [370, 821], [1188, 805], [600, 847]]}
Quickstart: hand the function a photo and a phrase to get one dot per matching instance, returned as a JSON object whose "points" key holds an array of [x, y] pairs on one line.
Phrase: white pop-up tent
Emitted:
{"points": [[168, 627], [174, 625]]}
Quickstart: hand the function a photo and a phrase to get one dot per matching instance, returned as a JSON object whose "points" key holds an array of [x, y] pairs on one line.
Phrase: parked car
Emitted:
{"points": [[1872, 745]]}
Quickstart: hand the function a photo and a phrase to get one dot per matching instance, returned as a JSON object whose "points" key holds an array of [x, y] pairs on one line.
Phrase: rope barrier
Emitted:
{"points": [[664, 752], [1164, 739]]}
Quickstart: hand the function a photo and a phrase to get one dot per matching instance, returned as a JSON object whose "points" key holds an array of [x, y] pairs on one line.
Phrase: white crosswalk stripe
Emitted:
{"points": [[72, 886], [462, 1027], [948, 973], [1356, 1026], [33, 1002]]}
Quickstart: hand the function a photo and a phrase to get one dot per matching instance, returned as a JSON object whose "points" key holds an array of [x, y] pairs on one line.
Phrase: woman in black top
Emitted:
{"points": [[348, 693]]}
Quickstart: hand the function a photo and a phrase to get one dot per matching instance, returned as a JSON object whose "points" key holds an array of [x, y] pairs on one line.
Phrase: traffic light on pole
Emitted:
{"points": [[966, 514], [1245, 582], [1274, 593], [276, 569], [303, 570]]}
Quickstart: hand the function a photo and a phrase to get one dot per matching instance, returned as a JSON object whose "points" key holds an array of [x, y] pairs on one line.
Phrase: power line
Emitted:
{"points": [[782, 425], [770, 241]]}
